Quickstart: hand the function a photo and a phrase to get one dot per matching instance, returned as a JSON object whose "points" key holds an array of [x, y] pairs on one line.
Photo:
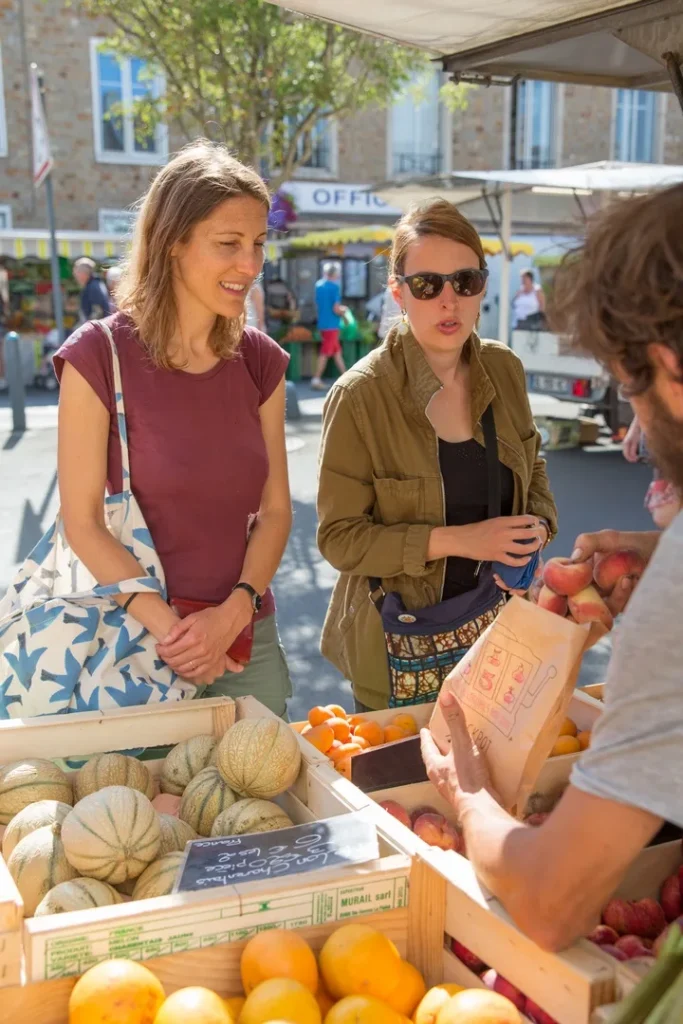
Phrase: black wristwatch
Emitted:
{"points": [[256, 600]]}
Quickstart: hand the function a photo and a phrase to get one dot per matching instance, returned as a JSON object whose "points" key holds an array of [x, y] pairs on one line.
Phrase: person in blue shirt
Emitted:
{"points": [[330, 311], [95, 301]]}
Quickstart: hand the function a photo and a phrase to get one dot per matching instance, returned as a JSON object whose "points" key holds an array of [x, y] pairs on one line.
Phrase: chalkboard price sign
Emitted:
{"points": [[346, 839]]}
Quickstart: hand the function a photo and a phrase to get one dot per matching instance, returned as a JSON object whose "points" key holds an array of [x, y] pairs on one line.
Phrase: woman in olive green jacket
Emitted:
{"points": [[403, 480]]}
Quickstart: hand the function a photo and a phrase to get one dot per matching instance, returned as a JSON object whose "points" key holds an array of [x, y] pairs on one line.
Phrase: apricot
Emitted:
{"points": [[370, 731], [355, 720], [588, 606], [343, 766], [552, 602], [344, 750], [565, 577], [584, 738], [409, 992], [568, 728], [392, 733], [363, 743], [318, 715], [406, 722], [610, 569], [321, 736], [432, 1002], [565, 745], [337, 710], [340, 727]]}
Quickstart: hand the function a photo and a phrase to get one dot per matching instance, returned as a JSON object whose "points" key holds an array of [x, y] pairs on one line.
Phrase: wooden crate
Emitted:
{"points": [[179, 932]]}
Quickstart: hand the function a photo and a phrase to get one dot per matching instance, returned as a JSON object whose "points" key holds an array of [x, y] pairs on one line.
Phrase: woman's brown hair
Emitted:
{"points": [[197, 180], [622, 289], [435, 217]]}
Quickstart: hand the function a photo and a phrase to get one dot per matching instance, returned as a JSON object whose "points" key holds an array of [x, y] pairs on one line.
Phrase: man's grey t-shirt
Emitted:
{"points": [[636, 752]]}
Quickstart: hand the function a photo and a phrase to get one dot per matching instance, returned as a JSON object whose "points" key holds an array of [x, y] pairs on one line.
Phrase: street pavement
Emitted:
{"points": [[593, 491]]}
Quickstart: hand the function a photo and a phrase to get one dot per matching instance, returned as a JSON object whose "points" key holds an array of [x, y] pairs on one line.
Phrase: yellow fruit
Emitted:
{"points": [[337, 710], [565, 745], [321, 736], [341, 729], [363, 1010], [116, 992], [409, 992], [430, 1005], [584, 739], [370, 731], [405, 722], [318, 715], [234, 1007], [193, 1006], [478, 1006], [280, 999], [568, 728], [324, 999], [392, 733], [358, 960], [278, 953]]}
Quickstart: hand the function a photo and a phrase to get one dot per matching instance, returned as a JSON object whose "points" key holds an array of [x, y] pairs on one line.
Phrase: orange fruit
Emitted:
{"points": [[337, 710], [278, 953], [300, 726], [584, 739], [280, 999], [324, 999], [393, 733], [193, 1006], [565, 745], [318, 715], [568, 728], [116, 992], [372, 732], [360, 742], [475, 1005], [343, 766], [363, 1010], [321, 736], [335, 746], [344, 750], [359, 960], [430, 1005], [341, 729], [405, 722], [355, 720], [409, 992], [234, 1005]]}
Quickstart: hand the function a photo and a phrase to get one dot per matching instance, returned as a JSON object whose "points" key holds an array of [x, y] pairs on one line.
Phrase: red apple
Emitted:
{"points": [[566, 577]]}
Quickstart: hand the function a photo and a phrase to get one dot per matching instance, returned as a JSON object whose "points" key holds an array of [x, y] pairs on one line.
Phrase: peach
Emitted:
{"points": [[396, 811], [552, 602], [610, 569], [566, 577], [434, 830], [467, 957], [603, 935], [419, 811], [588, 606], [618, 954], [534, 1012], [670, 898], [340, 727], [644, 918], [632, 946]]}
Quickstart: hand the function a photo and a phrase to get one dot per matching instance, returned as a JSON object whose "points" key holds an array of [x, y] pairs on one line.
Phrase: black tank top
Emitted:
{"points": [[465, 481]]}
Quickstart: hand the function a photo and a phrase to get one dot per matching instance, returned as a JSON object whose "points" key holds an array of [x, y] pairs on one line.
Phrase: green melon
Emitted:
{"points": [[112, 770], [80, 894], [248, 816], [25, 782], [44, 812], [159, 878], [259, 757], [175, 834], [112, 835], [38, 863], [185, 761], [204, 799]]}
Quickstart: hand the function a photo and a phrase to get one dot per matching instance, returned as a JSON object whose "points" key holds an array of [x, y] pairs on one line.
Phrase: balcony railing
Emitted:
{"points": [[416, 163]]}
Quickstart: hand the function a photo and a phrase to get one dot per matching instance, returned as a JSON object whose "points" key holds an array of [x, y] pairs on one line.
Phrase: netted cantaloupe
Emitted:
{"points": [[44, 812], [112, 835], [259, 757], [159, 878], [25, 782], [80, 894], [207, 796], [185, 761], [37, 863], [104, 770], [250, 815], [175, 834]]}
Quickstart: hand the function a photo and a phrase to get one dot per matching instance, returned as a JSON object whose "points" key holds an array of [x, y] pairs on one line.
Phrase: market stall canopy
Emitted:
{"points": [[21, 243], [384, 234], [618, 43]]}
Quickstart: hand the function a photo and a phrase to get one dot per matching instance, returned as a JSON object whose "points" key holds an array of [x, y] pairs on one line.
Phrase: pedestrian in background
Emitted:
{"points": [[94, 300], [529, 302], [113, 279], [255, 308], [330, 311]]}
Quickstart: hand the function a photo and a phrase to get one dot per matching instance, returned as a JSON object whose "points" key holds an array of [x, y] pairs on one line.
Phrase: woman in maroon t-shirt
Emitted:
{"points": [[205, 401]]}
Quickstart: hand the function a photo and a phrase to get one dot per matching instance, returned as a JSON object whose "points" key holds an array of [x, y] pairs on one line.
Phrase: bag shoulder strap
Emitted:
{"points": [[488, 426], [120, 406]]}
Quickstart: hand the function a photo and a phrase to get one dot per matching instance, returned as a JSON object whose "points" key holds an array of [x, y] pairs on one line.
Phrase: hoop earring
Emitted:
{"points": [[403, 328]]}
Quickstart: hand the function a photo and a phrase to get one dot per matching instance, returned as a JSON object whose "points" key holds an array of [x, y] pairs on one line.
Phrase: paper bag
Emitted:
{"points": [[515, 685]]}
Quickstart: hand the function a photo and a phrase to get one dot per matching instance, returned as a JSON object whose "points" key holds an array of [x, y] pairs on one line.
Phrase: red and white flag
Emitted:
{"points": [[42, 155]]}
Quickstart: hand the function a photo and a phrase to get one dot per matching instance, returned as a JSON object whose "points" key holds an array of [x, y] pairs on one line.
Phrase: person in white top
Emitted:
{"points": [[255, 308], [529, 299]]}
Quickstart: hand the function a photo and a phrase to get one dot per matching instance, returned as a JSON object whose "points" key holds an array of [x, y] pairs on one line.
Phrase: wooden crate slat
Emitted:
{"points": [[11, 904]]}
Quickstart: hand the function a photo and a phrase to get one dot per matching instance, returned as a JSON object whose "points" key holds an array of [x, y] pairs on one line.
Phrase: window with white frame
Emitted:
{"points": [[116, 222], [635, 126], [536, 124], [3, 120], [416, 128], [118, 84], [5, 218]]}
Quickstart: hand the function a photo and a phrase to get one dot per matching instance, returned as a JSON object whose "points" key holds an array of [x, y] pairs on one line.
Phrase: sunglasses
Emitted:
{"points": [[429, 285]]}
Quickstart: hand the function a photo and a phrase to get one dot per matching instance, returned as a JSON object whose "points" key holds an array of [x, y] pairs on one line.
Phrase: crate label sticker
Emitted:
{"points": [[67, 955]]}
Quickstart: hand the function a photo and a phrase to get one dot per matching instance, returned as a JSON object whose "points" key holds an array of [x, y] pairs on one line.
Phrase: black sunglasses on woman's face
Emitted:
{"points": [[429, 284]]}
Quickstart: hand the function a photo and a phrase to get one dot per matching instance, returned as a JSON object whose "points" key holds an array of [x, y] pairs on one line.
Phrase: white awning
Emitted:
{"points": [[22, 242], [599, 42]]}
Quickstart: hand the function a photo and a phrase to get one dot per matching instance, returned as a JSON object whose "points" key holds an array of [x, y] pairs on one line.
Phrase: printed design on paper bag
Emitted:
{"points": [[503, 676], [419, 664]]}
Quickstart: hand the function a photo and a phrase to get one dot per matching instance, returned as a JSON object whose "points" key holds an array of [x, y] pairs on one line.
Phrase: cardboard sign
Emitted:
{"points": [[346, 839]]}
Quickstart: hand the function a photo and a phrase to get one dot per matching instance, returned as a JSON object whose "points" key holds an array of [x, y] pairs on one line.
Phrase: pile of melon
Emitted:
{"points": [[103, 834]]}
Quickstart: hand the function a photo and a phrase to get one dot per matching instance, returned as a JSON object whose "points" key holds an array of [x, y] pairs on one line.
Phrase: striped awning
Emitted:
{"points": [[384, 234], [28, 242]]}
